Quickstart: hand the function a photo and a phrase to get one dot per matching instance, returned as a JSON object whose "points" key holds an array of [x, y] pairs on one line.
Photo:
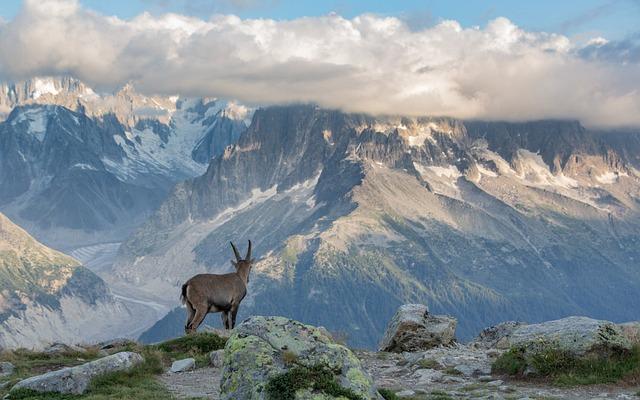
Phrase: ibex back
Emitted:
{"points": [[205, 293]]}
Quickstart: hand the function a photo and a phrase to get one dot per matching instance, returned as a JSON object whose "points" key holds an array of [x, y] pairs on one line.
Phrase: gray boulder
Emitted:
{"points": [[263, 347], [75, 380], [188, 364], [6, 369], [412, 328], [578, 336], [216, 358]]}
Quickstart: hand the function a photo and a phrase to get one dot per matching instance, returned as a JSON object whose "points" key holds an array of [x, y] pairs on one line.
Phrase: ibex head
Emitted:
{"points": [[242, 265]]}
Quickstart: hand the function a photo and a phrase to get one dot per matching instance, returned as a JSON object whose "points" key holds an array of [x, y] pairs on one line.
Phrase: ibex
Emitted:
{"points": [[205, 293]]}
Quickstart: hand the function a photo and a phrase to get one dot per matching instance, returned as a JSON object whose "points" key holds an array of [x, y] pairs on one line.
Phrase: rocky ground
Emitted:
{"points": [[199, 383], [457, 372]]}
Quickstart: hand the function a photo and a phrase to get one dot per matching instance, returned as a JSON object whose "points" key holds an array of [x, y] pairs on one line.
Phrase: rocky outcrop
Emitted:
{"points": [[578, 336], [76, 380], [413, 328], [364, 213], [262, 348]]}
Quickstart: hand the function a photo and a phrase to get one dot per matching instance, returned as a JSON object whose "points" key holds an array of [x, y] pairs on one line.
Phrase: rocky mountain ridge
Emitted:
{"points": [[362, 214], [47, 296], [78, 167]]}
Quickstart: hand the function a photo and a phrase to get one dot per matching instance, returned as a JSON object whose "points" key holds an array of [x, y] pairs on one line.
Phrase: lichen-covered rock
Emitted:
{"points": [[263, 347], [578, 336], [631, 330], [497, 336], [412, 328], [75, 380]]}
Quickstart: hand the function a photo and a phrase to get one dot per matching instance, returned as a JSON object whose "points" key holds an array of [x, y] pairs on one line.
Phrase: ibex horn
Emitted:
{"points": [[236, 252], [248, 258]]}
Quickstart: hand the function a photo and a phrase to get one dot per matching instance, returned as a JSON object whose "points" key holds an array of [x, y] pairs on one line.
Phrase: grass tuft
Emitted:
{"points": [[201, 343], [565, 369], [317, 378], [139, 383], [388, 394]]}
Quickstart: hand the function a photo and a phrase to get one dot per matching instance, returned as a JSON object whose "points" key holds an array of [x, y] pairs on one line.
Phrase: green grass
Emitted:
{"points": [[140, 383], [203, 342], [317, 378], [197, 345], [512, 363], [563, 369], [388, 394]]}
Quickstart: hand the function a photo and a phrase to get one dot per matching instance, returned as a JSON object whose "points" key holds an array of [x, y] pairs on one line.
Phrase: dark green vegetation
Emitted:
{"points": [[317, 378], [388, 394], [140, 383], [563, 369]]}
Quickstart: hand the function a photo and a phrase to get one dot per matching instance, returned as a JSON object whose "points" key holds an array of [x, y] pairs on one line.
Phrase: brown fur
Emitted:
{"points": [[205, 293]]}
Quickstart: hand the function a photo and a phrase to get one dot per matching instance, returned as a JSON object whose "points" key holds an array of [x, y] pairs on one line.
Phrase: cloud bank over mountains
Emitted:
{"points": [[367, 64]]}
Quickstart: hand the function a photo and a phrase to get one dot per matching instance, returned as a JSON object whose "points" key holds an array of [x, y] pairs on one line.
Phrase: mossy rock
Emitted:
{"points": [[263, 348]]}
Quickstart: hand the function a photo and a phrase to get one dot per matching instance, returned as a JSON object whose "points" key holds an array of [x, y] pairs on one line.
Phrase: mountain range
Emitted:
{"points": [[351, 215], [78, 168]]}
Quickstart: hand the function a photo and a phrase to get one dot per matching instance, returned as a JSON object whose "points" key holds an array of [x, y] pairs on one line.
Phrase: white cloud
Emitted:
{"points": [[369, 63]]}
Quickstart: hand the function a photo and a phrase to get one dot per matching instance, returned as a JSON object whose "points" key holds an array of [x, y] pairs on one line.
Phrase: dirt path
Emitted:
{"points": [[203, 383]]}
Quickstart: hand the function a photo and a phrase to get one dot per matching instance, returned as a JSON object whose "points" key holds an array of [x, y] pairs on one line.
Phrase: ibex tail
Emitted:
{"points": [[183, 296]]}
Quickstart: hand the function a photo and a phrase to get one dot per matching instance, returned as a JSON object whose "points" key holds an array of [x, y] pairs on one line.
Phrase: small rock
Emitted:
{"points": [[75, 380], [216, 358], [187, 364], [577, 335], [452, 379], [57, 348], [406, 393], [413, 329], [427, 376], [495, 383], [6, 368], [465, 370]]}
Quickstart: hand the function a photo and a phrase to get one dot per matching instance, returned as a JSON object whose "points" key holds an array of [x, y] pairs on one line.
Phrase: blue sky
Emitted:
{"points": [[613, 19]]}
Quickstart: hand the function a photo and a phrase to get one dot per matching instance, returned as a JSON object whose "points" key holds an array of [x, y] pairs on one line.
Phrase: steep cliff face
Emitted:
{"points": [[354, 214]]}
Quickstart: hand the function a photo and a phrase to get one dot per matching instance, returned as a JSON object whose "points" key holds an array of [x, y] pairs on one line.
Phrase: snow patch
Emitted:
{"points": [[36, 118], [84, 166], [609, 178], [42, 87], [533, 169]]}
